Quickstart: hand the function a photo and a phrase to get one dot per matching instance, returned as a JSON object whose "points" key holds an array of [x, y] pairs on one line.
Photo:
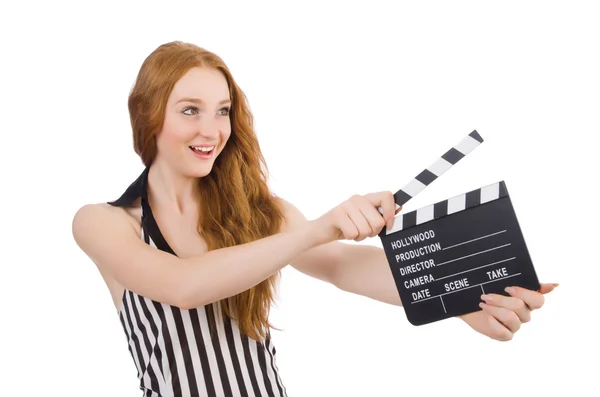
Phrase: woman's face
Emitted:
{"points": [[197, 124]]}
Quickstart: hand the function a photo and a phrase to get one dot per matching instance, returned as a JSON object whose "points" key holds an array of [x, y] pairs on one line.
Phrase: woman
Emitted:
{"points": [[192, 249]]}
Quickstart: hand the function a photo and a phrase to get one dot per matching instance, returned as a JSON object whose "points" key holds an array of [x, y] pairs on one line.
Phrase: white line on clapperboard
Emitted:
{"points": [[475, 239], [466, 271], [462, 289], [477, 253], [466, 242], [476, 268]]}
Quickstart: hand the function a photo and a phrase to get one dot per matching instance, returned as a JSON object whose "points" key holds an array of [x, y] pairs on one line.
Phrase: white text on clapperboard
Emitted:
{"points": [[418, 255]]}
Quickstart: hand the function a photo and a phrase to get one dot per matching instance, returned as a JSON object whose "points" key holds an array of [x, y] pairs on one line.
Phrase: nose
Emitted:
{"points": [[208, 128]]}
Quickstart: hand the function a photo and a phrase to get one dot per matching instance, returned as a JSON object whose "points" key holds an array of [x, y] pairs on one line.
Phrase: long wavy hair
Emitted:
{"points": [[236, 205]]}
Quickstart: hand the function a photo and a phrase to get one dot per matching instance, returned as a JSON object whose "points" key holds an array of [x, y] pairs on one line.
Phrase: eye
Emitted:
{"points": [[224, 111], [193, 108]]}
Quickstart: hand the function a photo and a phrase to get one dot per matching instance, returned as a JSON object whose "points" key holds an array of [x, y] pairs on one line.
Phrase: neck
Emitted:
{"points": [[171, 190]]}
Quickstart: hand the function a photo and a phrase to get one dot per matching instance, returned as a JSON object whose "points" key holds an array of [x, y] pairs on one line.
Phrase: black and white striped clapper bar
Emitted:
{"points": [[444, 256]]}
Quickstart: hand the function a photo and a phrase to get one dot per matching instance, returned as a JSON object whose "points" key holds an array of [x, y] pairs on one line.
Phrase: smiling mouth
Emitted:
{"points": [[203, 150]]}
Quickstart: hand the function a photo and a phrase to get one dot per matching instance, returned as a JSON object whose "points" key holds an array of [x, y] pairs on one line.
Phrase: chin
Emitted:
{"points": [[200, 172]]}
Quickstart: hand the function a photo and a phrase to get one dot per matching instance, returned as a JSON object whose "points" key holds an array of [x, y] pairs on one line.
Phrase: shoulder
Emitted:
{"points": [[91, 216]]}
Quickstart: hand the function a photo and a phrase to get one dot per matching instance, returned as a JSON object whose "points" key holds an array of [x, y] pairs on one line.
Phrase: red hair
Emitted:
{"points": [[236, 205]]}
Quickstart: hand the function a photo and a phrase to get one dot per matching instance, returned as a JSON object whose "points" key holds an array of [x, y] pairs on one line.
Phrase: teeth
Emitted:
{"points": [[203, 149]]}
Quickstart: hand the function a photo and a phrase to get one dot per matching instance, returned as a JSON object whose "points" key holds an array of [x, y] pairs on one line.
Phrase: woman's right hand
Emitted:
{"points": [[358, 217]]}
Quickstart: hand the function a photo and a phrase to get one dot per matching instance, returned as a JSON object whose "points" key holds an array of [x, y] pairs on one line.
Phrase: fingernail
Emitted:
{"points": [[482, 305], [486, 298], [555, 284], [510, 290]]}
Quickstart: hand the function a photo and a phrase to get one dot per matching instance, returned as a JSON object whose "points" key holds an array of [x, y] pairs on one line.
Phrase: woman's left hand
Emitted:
{"points": [[501, 316]]}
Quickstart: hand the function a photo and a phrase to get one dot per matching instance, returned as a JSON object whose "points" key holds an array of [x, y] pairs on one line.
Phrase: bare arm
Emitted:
{"points": [[109, 238], [364, 270], [359, 269]]}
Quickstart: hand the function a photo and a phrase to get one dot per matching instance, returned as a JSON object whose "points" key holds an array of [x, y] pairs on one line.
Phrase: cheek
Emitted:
{"points": [[168, 140], [175, 134], [225, 136], [225, 132]]}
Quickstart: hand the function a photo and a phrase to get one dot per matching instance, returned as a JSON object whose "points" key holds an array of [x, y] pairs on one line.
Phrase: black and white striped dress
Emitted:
{"points": [[172, 348]]}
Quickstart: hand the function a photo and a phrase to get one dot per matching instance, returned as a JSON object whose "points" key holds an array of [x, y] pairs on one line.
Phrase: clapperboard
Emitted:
{"points": [[445, 255]]}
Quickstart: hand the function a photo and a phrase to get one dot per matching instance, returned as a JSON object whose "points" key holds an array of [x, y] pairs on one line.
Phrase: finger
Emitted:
{"points": [[533, 299], [356, 216], [496, 330], [373, 217], [545, 288], [348, 227], [508, 302], [390, 224], [506, 317], [384, 200]]}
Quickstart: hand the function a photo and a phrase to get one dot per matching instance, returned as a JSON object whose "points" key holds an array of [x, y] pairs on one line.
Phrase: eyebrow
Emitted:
{"points": [[200, 101]]}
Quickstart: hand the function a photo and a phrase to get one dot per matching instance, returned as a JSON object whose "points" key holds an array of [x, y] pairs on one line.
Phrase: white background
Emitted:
{"points": [[347, 99]]}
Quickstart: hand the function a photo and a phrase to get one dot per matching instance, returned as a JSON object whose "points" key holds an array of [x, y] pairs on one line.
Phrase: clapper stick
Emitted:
{"points": [[437, 169]]}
